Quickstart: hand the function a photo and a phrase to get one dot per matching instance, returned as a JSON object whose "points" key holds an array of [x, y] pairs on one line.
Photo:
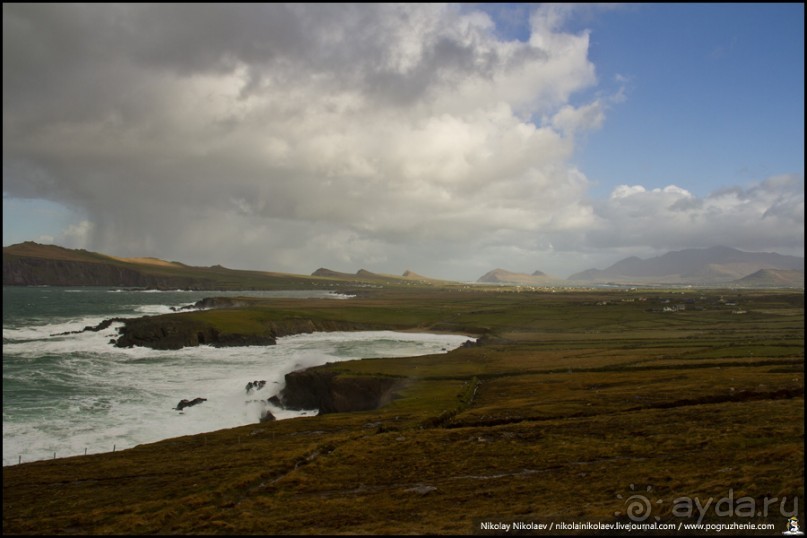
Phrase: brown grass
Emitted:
{"points": [[573, 405]]}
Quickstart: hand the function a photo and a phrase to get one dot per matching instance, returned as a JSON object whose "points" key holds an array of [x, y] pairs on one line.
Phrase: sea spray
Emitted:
{"points": [[77, 393]]}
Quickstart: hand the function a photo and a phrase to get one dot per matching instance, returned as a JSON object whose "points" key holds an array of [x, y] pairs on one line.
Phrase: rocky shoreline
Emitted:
{"points": [[174, 331], [313, 388], [324, 389]]}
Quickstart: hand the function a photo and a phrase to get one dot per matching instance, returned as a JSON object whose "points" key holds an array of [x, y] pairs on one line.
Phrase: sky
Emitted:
{"points": [[445, 139]]}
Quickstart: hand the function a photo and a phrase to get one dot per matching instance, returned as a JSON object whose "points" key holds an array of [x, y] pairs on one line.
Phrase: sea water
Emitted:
{"points": [[67, 394]]}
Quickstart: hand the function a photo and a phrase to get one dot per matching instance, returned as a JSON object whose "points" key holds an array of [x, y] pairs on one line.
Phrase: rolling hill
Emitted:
{"points": [[773, 278], [33, 264], [502, 276], [363, 276]]}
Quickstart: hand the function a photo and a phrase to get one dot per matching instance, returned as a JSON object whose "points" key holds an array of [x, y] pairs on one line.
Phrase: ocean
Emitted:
{"points": [[71, 394]]}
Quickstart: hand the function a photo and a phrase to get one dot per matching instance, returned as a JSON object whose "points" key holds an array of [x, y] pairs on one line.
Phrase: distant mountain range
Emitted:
{"points": [[715, 265], [363, 275], [501, 276], [705, 267], [33, 264]]}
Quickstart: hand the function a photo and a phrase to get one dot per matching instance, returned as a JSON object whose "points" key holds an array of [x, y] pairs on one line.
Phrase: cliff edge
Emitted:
{"points": [[330, 392]]}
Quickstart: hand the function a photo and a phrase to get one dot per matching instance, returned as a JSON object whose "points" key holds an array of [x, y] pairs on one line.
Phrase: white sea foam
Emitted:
{"points": [[114, 397], [57, 331], [154, 309], [334, 295]]}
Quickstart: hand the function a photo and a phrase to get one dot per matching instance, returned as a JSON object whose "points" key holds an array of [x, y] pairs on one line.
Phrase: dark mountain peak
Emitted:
{"points": [[322, 271], [495, 275]]}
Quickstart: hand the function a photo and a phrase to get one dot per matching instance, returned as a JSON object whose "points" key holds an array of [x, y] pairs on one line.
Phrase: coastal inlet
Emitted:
{"points": [[66, 390]]}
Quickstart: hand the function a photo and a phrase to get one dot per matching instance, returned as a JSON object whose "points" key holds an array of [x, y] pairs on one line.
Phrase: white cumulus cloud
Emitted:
{"points": [[292, 136]]}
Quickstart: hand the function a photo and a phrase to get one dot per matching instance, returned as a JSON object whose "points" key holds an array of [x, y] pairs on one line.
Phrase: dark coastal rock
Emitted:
{"points": [[165, 333], [322, 389], [90, 328], [267, 416], [484, 340], [174, 331], [255, 385], [189, 403]]}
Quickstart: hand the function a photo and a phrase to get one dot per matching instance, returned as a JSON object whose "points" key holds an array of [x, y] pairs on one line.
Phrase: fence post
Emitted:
{"points": [[113, 448]]}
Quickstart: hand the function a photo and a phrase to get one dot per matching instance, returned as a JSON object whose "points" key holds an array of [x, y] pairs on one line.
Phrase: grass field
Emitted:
{"points": [[575, 407]]}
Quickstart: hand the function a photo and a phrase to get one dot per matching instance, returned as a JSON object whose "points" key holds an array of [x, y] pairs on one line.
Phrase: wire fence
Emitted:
{"points": [[115, 447], [19, 459]]}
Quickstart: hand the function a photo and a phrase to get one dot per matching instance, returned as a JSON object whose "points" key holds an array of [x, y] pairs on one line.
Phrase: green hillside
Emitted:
{"points": [[34, 264], [569, 404]]}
